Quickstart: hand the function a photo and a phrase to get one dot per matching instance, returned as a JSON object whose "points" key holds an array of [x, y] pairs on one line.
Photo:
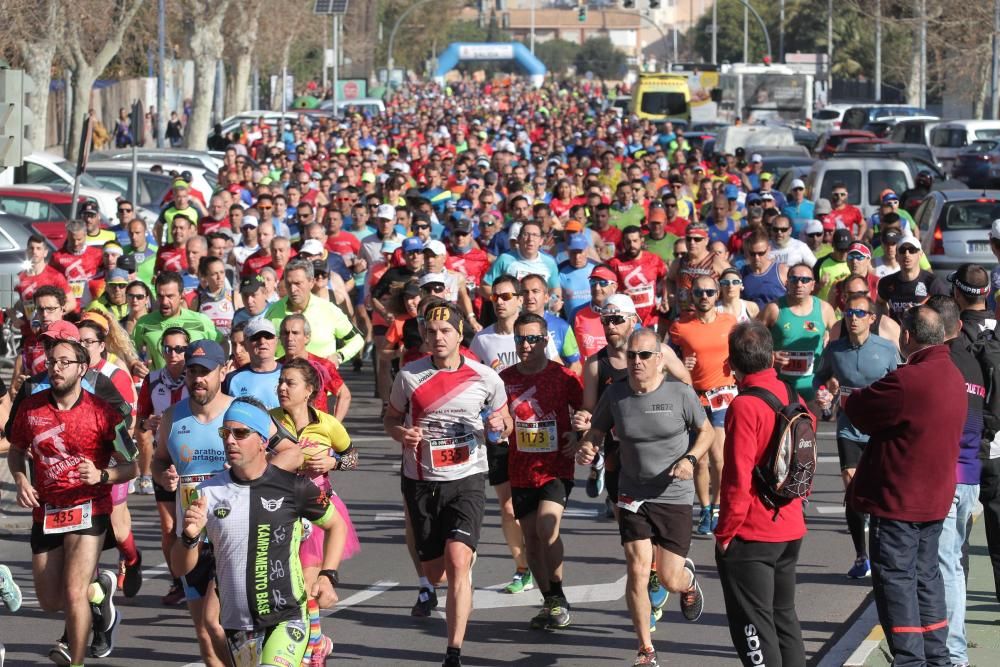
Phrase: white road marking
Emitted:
{"points": [[493, 598], [580, 513], [828, 508], [374, 590], [828, 459], [389, 516]]}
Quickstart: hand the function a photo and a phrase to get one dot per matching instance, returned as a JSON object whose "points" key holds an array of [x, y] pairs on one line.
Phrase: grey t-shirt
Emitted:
{"points": [[653, 430]]}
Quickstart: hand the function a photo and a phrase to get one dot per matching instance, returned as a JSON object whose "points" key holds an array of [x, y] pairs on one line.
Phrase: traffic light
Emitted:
{"points": [[15, 116], [581, 11]]}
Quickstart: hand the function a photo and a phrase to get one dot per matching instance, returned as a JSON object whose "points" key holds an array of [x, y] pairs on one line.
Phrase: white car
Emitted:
{"points": [[202, 159], [828, 118], [55, 171], [201, 180]]}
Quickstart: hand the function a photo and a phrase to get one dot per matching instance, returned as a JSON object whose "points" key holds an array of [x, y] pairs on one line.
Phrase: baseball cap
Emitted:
{"points": [[971, 279], [118, 277], [260, 326], [814, 227], [753, 198], [311, 247], [573, 226], [889, 196], [910, 241], [386, 212], [462, 225], [756, 158], [61, 330], [430, 278], [995, 230], [891, 237], [767, 196], [89, 207], [798, 183], [126, 263], [604, 273], [435, 247], [205, 353], [862, 247], [823, 206], [618, 304], [842, 239], [249, 221], [411, 289], [412, 244], [251, 284], [577, 242], [732, 192], [766, 176]]}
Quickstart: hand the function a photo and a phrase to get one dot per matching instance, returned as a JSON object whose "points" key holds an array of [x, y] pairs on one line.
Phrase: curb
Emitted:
{"points": [[860, 656]]}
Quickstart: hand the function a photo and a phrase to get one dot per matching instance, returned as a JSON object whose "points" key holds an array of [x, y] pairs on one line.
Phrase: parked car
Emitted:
{"points": [[152, 187], [865, 178], [948, 139], [48, 210], [779, 160], [830, 142], [860, 115], [914, 131], [367, 106], [979, 164], [955, 227], [916, 161], [201, 180], [202, 159], [829, 117], [56, 171], [14, 233]]}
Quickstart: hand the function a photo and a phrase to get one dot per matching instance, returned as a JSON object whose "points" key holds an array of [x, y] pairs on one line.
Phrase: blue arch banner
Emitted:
{"points": [[460, 51]]}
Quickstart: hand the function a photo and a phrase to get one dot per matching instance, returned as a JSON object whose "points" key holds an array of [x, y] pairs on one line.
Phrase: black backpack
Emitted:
{"points": [[787, 470], [986, 349]]}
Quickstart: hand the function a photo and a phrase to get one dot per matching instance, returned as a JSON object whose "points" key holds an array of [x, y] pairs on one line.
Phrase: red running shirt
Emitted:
{"points": [[638, 278], [540, 406], [59, 440]]}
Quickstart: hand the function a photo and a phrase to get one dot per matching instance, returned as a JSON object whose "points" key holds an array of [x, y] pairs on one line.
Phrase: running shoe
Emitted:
{"points": [[692, 600], [715, 517], [520, 582], [104, 612], [321, 653], [175, 596], [452, 661], [59, 654], [541, 620], [558, 613], [103, 642], [146, 485], [653, 618], [427, 601], [658, 594], [646, 658], [705, 523], [861, 568], [130, 576], [595, 482], [10, 593]]}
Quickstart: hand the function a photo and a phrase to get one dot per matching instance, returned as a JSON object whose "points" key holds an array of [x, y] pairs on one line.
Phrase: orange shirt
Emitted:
{"points": [[709, 343]]}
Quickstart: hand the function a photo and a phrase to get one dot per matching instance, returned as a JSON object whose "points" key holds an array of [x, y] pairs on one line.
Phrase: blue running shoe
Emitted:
{"points": [[705, 523], [861, 569], [657, 594]]}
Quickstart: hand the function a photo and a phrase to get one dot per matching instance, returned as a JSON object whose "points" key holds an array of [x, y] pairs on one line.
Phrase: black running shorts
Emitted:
{"points": [[442, 511], [668, 526], [100, 524], [526, 501]]}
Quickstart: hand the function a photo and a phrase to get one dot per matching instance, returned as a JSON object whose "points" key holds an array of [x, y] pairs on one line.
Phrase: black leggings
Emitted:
{"points": [[758, 583]]}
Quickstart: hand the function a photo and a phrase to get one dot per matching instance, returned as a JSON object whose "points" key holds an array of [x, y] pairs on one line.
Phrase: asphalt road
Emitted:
{"points": [[372, 624]]}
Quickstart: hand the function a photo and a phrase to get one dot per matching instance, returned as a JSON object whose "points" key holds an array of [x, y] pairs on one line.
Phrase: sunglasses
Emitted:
{"points": [[839, 195], [781, 230], [801, 280], [176, 349], [757, 254], [704, 292], [856, 312], [726, 282], [642, 354], [856, 256], [434, 288], [415, 227], [816, 234], [238, 433], [265, 208], [699, 239], [908, 250], [615, 320], [602, 282], [506, 296], [531, 339], [124, 210], [135, 296]]}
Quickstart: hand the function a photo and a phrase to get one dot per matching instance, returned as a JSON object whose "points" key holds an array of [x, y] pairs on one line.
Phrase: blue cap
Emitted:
{"points": [[464, 205], [732, 192], [890, 196], [577, 242], [412, 244], [754, 198], [205, 353], [250, 416], [119, 276]]}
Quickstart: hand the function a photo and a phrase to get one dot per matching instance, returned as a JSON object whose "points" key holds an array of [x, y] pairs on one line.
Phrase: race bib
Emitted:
{"points": [[447, 453], [720, 397], [642, 296], [246, 647], [536, 437], [844, 393], [187, 491], [66, 519], [629, 503], [77, 287], [799, 364]]}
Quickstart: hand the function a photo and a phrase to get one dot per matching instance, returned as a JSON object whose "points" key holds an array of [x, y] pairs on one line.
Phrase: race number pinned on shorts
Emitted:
{"points": [[720, 397], [66, 519], [246, 647], [629, 503], [536, 437], [451, 452], [800, 364], [844, 393]]}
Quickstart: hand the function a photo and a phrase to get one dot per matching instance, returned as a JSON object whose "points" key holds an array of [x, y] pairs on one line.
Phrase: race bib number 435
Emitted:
{"points": [[66, 519]]}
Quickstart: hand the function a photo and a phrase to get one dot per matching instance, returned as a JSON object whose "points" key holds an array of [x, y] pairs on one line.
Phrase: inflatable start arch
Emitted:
{"points": [[458, 52]]}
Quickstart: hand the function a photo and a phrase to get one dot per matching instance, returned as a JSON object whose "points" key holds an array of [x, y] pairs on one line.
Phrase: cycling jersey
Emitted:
{"points": [[255, 529], [196, 451], [448, 406]]}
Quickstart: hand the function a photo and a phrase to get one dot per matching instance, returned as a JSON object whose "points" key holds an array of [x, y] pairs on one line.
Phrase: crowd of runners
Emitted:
{"points": [[534, 282]]}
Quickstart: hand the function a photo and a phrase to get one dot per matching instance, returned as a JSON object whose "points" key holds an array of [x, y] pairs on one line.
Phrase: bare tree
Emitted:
{"points": [[203, 21], [88, 54], [245, 15]]}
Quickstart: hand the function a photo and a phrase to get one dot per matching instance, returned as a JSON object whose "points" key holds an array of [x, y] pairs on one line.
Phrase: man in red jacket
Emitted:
{"points": [[905, 481], [756, 549]]}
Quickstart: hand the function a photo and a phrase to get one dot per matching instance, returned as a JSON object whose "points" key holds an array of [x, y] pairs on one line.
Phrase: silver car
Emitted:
{"points": [[955, 227]]}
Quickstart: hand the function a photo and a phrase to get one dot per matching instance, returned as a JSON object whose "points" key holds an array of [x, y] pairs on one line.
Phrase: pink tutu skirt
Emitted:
{"points": [[311, 549]]}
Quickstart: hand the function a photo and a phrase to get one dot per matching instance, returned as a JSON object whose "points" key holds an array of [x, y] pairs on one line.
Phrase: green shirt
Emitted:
{"points": [[663, 248], [332, 331], [622, 219], [149, 330]]}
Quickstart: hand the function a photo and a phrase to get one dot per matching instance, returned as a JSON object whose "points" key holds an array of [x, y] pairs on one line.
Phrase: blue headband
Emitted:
{"points": [[250, 416]]}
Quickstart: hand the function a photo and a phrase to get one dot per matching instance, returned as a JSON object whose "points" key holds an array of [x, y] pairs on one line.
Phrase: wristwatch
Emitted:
{"points": [[332, 575], [692, 459], [105, 476]]}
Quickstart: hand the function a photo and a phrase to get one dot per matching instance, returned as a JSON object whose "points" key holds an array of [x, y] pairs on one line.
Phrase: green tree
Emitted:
{"points": [[599, 55], [557, 54]]}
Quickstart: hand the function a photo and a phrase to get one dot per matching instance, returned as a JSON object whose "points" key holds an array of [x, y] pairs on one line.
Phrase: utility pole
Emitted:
{"points": [[715, 32], [829, 50], [746, 34], [995, 97], [878, 50], [532, 40], [161, 84], [781, 32], [922, 40]]}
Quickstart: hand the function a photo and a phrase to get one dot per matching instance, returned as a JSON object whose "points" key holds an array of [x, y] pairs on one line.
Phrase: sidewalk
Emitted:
{"points": [[982, 624]]}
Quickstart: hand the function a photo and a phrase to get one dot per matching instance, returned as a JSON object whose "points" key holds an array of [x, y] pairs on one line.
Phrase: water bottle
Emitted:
{"points": [[823, 394], [493, 437]]}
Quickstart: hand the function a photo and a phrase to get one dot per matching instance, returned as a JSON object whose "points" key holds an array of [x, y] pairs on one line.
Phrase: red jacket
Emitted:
{"points": [[749, 426], [915, 416]]}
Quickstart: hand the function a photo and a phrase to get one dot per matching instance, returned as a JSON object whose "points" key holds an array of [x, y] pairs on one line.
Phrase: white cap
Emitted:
{"points": [[435, 247], [249, 221], [619, 304], [311, 247], [814, 227], [386, 212], [756, 158], [910, 241], [429, 278], [797, 183], [995, 231]]}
